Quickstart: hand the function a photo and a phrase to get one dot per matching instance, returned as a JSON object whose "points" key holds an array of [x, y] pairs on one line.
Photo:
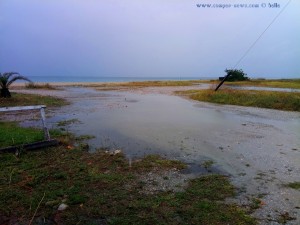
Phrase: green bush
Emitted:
{"points": [[236, 75]]}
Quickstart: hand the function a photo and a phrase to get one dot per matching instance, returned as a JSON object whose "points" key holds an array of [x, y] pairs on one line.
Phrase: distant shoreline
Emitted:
{"points": [[87, 79], [71, 80]]}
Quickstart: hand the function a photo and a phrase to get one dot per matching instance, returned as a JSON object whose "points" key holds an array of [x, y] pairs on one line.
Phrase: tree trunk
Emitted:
{"points": [[5, 93]]}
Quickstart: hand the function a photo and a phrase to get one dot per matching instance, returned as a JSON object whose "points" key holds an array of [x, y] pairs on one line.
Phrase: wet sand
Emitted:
{"points": [[258, 148]]}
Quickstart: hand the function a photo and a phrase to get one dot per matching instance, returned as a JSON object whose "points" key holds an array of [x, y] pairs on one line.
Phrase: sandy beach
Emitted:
{"points": [[258, 148]]}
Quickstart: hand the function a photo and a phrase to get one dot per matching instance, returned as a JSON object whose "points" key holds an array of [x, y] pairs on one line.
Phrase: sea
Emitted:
{"points": [[57, 79]]}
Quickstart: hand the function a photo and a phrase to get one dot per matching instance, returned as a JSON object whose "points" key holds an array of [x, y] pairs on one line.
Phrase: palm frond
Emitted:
{"points": [[19, 77], [9, 74], [6, 79]]}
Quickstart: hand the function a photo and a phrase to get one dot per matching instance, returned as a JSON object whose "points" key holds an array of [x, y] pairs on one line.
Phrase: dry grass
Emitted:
{"points": [[45, 86], [281, 83], [31, 99], [264, 99]]}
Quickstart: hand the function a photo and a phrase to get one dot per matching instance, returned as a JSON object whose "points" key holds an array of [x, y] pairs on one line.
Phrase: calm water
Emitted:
{"points": [[169, 125]]}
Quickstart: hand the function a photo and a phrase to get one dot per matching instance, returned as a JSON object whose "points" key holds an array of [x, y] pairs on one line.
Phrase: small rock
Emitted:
{"points": [[62, 207], [52, 203], [117, 152]]}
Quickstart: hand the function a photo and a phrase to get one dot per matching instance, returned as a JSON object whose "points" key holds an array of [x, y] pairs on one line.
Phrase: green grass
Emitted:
{"points": [[279, 83], [207, 164], [11, 134], [264, 99], [31, 99], [102, 187], [294, 185]]}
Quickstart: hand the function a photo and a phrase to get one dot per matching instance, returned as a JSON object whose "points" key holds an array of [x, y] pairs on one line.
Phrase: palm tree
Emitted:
{"points": [[6, 79]]}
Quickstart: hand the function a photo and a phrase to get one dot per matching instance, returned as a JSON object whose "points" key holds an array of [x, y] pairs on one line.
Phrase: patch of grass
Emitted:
{"points": [[67, 122], [284, 218], [263, 99], [18, 99], [101, 187], [207, 164], [279, 83], [294, 185], [46, 86], [11, 134], [255, 203]]}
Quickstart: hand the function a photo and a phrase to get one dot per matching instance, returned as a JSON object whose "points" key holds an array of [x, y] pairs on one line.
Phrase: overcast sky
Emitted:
{"points": [[151, 38]]}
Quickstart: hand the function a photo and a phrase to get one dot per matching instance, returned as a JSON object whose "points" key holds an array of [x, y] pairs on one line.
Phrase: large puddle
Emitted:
{"points": [[171, 126], [258, 148]]}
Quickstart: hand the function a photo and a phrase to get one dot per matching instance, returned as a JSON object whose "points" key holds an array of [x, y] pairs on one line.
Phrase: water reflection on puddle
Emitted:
{"points": [[141, 124], [145, 124]]}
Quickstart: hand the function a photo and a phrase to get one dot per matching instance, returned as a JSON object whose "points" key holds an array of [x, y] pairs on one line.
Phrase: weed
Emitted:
{"points": [[284, 218], [67, 122], [255, 203], [294, 185], [207, 164]]}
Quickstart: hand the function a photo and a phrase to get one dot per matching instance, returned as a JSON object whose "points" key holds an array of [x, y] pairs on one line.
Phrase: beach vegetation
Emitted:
{"points": [[104, 188], [45, 86], [6, 79], [278, 83], [141, 84], [207, 164], [289, 101], [294, 185], [32, 99]]}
